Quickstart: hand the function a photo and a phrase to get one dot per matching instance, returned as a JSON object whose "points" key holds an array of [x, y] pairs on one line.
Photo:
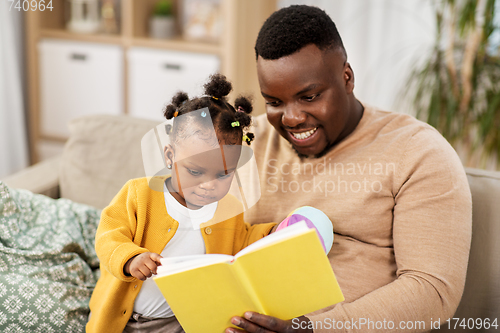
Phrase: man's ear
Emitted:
{"points": [[169, 153], [348, 78]]}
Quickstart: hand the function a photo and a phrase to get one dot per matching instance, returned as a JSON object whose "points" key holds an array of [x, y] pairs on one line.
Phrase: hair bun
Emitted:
{"points": [[179, 98], [249, 138], [244, 103], [176, 102], [169, 111], [218, 86]]}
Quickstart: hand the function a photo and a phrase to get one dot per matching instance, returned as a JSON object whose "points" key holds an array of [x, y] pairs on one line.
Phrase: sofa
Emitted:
{"points": [[103, 152]]}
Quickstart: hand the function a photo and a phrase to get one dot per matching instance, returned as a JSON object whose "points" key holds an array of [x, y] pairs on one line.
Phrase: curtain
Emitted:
{"points": [[13, 139], [384, 39]]}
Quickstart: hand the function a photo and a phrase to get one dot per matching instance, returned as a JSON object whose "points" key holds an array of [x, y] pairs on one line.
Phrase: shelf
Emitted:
{"points": [[176, 44], [242, 21], [96, 38], [171, 44], [53, 138]]}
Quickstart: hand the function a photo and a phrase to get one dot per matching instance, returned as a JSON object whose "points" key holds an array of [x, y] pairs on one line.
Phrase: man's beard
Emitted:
{"points": [[303, 156]]}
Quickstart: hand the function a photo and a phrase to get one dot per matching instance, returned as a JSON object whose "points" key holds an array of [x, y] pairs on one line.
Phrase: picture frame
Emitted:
{"points": [[202, 20]]}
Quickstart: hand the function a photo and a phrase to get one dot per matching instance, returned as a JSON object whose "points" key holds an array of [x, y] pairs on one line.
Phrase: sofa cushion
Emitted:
{"points": [[48, 263], [481, 298], [102, 154]]}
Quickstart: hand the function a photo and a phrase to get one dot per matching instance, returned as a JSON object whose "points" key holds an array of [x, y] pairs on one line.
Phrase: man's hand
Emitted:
{"points": [[143, 265], [259, 323]]}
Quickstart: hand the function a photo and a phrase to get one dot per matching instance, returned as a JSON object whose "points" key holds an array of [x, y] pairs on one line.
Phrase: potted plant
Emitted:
{"points": [[162, 23], [457, 89]]}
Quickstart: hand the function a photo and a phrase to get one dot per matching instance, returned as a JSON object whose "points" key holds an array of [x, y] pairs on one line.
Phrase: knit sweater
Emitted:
{"points": [[400, 205], [136, 221]]}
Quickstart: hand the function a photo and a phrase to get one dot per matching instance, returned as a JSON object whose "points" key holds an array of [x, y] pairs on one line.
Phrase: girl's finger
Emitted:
{"points": [[138, 275], [151, 265], [156, 258], [146, 271]]}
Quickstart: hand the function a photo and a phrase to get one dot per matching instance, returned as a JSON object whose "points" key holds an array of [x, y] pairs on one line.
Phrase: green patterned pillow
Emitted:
{"points": [[48, 264]]}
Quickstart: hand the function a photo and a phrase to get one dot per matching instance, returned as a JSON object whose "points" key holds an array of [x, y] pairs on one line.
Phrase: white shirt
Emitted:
{"points": [[187, 240]]}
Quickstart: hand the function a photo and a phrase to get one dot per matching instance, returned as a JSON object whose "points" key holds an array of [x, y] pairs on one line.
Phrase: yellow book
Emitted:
{"points": [[284, 275]]}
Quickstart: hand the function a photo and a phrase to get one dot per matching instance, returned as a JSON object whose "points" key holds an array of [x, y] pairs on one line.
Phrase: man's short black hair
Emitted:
{"points": [[291, 28]]}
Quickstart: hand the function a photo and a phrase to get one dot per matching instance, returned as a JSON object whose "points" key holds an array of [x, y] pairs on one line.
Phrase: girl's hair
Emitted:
{"points": [[229, 121]]}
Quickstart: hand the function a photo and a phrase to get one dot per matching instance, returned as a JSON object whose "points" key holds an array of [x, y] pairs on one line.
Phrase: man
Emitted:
{"points": [[394, 189]]}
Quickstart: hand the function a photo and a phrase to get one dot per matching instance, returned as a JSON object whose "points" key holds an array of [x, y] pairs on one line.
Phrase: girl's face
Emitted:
{"points": [[201, 173]]}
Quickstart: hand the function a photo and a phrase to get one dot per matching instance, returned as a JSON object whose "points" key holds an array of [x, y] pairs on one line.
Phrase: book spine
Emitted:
{"points": [[242, 276]]}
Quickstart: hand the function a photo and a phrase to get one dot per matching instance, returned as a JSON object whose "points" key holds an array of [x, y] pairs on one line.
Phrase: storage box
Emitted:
{"points": [[156, 75], [78, 79]]}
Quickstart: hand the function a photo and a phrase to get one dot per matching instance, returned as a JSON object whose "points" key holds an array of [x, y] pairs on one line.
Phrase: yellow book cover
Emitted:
{"points": [[284, 275]]}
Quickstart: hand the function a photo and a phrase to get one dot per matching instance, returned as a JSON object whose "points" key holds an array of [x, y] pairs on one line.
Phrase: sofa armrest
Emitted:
{"points": [[41, 178]]}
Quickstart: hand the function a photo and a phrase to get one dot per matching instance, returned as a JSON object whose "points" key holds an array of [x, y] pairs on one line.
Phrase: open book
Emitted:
{"points": [[284, 275]]}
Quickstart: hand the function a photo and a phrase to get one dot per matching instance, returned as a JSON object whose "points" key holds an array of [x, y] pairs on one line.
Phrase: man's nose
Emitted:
{"points": [[293, 116]]}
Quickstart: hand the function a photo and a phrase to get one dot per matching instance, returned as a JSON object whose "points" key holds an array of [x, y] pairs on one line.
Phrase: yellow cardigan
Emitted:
{"points": [[136, 221]]}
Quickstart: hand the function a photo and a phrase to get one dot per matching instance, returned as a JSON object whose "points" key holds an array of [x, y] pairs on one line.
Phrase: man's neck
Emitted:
{"points": [[355, 116]]}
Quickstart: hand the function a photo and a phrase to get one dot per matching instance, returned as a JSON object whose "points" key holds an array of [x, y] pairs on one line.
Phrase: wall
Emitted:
{"points": [[383, 39], [13, 139]]}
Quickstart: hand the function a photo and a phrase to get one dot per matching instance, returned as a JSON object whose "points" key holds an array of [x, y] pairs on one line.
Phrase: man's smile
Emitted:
{"points": [[304, 138], [303, 134]]}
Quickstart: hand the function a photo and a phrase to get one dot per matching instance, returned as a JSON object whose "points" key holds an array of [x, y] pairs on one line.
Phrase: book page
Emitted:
{"points": [[286, 276], [174, 265], [291, 277], [204, 299], [288, 232]]}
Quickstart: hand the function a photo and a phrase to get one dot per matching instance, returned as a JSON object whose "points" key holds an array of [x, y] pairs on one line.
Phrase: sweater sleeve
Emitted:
{"points": [[247, 234], [432, 220], [116, 231], [256, 231]]}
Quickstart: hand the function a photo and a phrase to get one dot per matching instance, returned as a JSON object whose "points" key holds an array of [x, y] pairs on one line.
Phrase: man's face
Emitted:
{"points": [[306, 97]]}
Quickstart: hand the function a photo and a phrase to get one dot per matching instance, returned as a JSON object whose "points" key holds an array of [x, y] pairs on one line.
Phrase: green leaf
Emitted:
{"points": [[467, 16], [163, 8]]}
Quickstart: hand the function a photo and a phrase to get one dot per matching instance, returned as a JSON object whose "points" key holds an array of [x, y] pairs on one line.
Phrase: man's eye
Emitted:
{"points": [[273, 103], [310, 98]]}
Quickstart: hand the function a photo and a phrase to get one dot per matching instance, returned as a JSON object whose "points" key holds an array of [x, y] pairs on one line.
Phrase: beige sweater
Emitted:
{"points": [[401, 209]]}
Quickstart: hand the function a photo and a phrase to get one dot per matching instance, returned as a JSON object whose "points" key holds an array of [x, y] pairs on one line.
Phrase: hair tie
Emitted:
{"points": [[240, 109], [246, 138], [235, 124], [216, 98], [176, 113]]}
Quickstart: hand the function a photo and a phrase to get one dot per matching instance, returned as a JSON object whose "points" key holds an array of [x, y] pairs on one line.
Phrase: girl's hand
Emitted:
{"points": [[142, 266]]}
